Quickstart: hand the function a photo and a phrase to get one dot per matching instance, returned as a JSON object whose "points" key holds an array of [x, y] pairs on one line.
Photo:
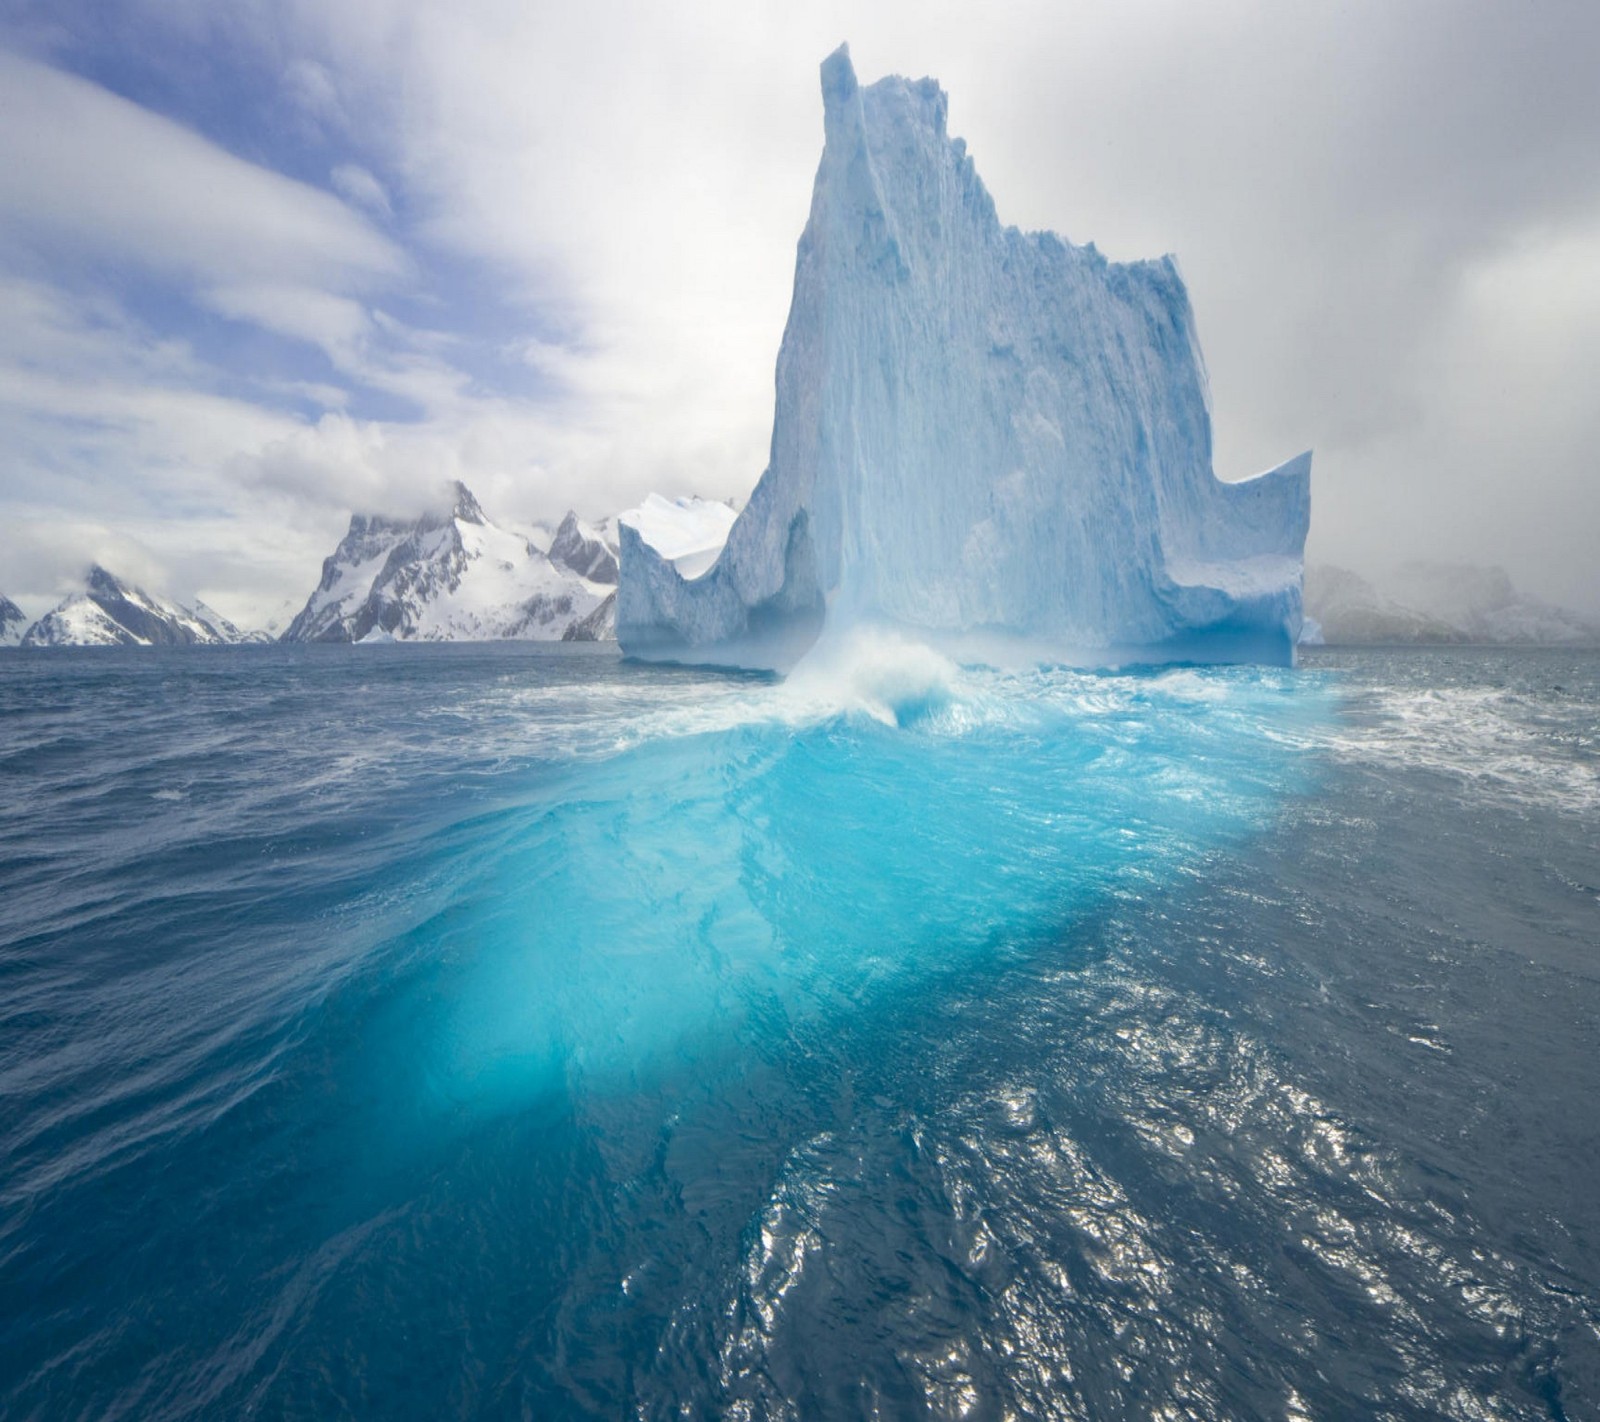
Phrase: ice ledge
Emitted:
{"points": [[687, 532]]}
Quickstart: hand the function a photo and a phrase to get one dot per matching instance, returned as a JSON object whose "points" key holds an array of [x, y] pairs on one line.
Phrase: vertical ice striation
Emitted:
{"points": [[978, 431]]}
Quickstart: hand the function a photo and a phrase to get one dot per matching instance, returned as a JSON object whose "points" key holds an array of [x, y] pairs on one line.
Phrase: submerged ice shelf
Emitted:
{"points": [[979, 433]]}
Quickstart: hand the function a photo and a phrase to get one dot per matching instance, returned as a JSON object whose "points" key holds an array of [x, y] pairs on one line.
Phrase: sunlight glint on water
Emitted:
{"points": [[511, 1031]]}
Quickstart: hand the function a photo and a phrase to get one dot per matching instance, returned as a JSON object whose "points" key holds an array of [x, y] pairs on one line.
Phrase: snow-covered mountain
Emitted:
{"points": [[457, 576], [276, 622], [227, 630], [13, 622], [112, 613], [1485, 604], [979, 432], [1436, 602], [589, 550]]}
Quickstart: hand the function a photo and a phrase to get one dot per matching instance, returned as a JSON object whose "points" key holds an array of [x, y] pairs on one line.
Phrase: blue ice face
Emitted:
{"points": [[805, 850], [356, 994]]}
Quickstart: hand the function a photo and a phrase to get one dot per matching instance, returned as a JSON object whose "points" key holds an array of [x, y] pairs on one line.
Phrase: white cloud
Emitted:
{"points": [[46, 556], [112, 448], [336, 324], [1506, 402], [84, 388], [355, 184], [84, 171], [1351, 192], [311, 91]]}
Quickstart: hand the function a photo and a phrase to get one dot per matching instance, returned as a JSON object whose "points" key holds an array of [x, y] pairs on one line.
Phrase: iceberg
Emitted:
{"points": [[983, 436]]}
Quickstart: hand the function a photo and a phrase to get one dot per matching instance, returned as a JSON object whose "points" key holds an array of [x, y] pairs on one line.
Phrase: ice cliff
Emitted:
{"points": [[978, 431]]}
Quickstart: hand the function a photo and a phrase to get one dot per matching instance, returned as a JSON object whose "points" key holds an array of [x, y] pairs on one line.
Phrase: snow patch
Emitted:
{"points": [[688, 532]]}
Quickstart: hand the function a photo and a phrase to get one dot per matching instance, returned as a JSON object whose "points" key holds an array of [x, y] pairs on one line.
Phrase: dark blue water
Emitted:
{"points": [[508, 1032]]}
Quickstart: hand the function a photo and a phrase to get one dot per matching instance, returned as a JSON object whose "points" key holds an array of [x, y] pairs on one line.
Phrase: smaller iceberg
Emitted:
{"points": [[995, 440]]}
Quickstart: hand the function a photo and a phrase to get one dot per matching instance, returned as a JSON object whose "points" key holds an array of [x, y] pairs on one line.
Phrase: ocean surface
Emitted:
{"points": [[508, 1031]]}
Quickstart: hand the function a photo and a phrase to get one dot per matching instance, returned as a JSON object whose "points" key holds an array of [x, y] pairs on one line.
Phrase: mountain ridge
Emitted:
{"points": [[111, 612], [1423, 602], [456, 575], [13, 622]]}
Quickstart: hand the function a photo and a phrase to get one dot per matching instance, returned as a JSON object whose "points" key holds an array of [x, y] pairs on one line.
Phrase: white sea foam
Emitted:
{"points": [[877, 672], [1495, 739]]}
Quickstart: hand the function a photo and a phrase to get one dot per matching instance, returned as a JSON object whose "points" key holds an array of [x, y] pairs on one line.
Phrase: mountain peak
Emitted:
{"points": [[104, 582], [13, 622], [583, 550], [111, 612], [466, 507], [456, 576]]}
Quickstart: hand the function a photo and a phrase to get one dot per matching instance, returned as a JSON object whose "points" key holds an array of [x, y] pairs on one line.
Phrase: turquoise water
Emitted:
{"points": [[512, 1031]]}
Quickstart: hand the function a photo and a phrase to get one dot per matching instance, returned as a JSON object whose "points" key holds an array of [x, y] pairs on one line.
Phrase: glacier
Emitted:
{"points": [[990, 438]]}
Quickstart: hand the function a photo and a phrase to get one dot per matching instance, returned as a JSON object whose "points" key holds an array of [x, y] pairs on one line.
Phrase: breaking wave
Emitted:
{"points": [[507, 1031]]}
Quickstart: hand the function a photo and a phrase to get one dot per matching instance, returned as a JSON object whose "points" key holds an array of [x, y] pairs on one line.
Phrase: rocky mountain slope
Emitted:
{"points": [[1424, 602], [589, 550], [13, 622], [113, 613], [455, 575]]}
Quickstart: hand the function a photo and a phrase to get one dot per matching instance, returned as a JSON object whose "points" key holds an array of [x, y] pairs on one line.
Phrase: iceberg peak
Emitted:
{"points": [[978, 431], [838, 79]]}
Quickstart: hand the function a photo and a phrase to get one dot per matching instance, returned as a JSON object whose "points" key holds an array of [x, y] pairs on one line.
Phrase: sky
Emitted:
{"points": [[265, 262]]}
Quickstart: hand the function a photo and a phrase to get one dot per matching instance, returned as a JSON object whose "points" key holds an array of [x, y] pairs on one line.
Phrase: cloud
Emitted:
{"points": [[49, 556], [340, 464], [1504, 393], [83, 388], [337, 325], [1332, 180], [357, 185], [110, 416], [113, 447], [311, 90], [86, 172], [1385, 215]]}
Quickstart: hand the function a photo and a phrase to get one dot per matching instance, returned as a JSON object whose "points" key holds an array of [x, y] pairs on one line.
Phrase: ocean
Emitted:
{"points": [[512, 1031]]}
